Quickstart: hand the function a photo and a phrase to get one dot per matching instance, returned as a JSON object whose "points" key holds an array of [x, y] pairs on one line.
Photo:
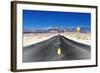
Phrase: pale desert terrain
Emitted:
{"points": [[84, 38], [31, 38]]}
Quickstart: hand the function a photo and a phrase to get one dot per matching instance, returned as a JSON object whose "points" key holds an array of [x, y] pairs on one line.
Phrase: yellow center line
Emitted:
{"points": [[59, 51]]}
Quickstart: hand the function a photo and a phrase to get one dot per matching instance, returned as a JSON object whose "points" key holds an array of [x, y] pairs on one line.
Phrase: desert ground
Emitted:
{"points": [[32, 38], [84, 38]]}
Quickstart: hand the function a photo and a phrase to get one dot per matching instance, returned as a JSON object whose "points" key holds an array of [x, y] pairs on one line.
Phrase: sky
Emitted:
{"points": [[33, 19]]}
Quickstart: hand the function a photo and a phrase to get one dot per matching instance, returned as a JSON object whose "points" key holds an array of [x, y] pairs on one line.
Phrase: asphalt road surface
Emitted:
{"points": [[47, 50]]}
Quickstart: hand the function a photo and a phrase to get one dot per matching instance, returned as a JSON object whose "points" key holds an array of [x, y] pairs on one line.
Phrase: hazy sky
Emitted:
{"points": [[33, 19]]}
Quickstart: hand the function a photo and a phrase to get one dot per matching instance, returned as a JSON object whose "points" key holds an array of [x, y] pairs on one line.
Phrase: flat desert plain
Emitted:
{"points": [[32, 38]]}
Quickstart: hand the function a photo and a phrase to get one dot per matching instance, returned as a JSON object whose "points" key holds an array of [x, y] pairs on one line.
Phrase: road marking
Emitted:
{"points": [[59, 51], [59, 42]]}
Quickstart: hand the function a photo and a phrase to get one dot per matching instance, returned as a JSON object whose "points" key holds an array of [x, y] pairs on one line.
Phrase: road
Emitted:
{"points": [[47, 50]]}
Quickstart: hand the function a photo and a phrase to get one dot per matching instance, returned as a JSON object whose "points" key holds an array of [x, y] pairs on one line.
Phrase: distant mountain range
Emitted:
{"points": [[56, 29]]}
